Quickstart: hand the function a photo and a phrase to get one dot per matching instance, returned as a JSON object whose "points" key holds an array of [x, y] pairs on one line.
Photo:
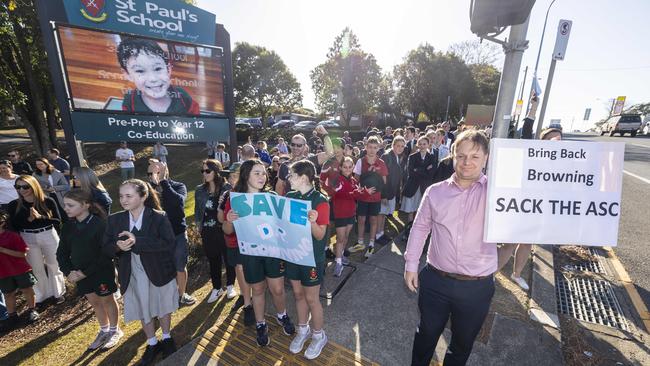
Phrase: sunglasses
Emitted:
{"points": [[20, 186], [206, 171], [297, 145]]}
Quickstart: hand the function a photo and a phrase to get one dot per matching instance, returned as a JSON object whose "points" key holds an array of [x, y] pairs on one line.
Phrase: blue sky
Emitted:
{"points": [[608, 53]]}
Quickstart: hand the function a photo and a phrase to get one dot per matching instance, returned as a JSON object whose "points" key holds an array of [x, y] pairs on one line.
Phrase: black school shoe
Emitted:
{"points": [[168, 347], [150, 354], [9, 324], [263, 338], [32, 316]]}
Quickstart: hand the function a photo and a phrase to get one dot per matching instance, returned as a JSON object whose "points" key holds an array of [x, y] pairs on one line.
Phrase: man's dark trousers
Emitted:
{"points": [[467, 302]]}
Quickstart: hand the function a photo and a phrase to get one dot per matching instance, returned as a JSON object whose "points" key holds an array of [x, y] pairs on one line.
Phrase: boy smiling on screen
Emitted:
{"points": [[147, 66]]}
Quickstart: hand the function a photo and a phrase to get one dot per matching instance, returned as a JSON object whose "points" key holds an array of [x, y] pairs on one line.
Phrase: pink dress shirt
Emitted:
{"points": [[454, 216]]}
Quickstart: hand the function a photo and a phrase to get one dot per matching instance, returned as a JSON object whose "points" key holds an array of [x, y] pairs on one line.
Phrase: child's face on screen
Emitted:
{"points": [[150, 74]]}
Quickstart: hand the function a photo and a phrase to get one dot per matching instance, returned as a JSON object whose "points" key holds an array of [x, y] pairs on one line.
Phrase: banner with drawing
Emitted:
{"points": [[273, 226]]}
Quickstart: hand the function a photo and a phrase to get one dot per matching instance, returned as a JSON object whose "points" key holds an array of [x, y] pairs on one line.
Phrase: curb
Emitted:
{"points": [[624, 278], [543, 304]]}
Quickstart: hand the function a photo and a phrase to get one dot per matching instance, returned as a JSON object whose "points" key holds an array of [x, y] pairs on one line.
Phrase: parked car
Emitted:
{"points": [[241, 125], [621, 124], [285, 123], [329, 123], [305, 125], [254, 122]]}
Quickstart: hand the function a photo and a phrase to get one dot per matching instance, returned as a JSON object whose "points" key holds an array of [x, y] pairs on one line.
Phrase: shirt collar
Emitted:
{"points": [[482, 180], [138, 221]]}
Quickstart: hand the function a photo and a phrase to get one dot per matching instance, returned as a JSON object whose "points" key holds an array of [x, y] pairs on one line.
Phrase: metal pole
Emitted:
{"points": [[539, 52], [514, 50], [447, 112], [547, 90]]}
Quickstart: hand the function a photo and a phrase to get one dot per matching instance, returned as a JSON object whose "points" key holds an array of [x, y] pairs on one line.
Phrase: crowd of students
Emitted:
{"points": [[53, 229]]}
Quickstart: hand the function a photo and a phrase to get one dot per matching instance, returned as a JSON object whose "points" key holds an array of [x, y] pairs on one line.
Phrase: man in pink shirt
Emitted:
{"points": [[457, 280]]}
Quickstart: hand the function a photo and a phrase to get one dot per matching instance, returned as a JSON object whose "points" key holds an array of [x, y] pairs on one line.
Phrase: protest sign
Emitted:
{"points": [[273, 226], [554, 192]]}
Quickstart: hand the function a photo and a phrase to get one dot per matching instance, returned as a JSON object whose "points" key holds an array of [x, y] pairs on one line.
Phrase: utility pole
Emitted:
{"points": [[447, 112], [514, 49], [547, 90]]}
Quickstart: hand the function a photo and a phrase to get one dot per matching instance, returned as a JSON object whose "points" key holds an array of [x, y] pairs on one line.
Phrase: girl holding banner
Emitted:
{"points": [[260, 271], [306, 280]]}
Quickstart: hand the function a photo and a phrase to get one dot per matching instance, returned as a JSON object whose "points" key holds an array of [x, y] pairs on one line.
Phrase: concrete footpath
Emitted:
{"points": [[376, 316]]}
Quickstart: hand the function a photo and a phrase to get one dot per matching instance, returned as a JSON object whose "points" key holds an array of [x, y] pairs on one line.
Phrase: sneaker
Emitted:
{"points": [[299, 340], [249, 315], [168, 347], [100, 340], [370, 252], [149, 355], [33, 316], [520, 282], [329, 254], [379, 235], [263, 338], [214, 295], [287, 326], [338, 271], [114, 339], [357, 248], [231, 293], [345, 260], [59, 300], [186, 300], [315, 347]]}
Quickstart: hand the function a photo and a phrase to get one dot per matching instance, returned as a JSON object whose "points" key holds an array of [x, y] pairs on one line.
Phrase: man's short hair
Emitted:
{"points": [[546, 132], [476, 137], [398, 139], [55, 151], [411, 129], [373, 140]]}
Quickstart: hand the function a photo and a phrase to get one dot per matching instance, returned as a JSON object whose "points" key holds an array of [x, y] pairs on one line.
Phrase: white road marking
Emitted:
{"points": [[644, 180]]}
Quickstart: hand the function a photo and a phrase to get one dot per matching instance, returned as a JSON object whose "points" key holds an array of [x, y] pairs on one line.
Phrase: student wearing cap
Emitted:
{"points": [[458, 278]]}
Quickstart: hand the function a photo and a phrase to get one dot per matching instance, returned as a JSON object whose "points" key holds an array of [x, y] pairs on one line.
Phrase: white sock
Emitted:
{"points": [[152, 341], [263, 322], [360, 241], [303, 328], [229, 287], [339, 260], [112, 329], [371, 243], [282, 314], [318, 334], [166, 336]]}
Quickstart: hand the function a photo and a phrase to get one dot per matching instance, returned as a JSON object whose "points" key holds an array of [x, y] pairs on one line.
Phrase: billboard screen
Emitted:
{"points": [[109, 71]]}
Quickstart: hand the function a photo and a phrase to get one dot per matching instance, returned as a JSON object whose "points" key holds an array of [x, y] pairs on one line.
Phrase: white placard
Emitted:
{"points": [[554, 192]]}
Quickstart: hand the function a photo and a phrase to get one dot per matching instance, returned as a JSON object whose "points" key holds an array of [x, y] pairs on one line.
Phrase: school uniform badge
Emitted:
{"points": [[94, 10], [281, 266], [313, 275], [103, 289]]}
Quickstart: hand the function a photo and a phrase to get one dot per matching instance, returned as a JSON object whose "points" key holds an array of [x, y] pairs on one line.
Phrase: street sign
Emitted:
{"points": [[587, 114], [562, 40], [618, 105]]}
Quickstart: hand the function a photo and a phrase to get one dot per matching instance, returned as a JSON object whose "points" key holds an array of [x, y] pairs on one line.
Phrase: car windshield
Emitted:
{"points": [[630, 119]]}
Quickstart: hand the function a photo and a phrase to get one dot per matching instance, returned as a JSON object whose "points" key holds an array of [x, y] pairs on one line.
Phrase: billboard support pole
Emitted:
{"points": [[223, 40], [56, 75]]}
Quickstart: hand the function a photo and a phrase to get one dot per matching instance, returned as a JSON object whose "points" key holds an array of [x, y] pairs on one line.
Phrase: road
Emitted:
{"points": [[634, 231]]}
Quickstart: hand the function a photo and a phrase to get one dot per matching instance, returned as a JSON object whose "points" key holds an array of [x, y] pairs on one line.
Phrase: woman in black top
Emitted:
{"points": [[36, 217], [214, 243], [422, 166]]}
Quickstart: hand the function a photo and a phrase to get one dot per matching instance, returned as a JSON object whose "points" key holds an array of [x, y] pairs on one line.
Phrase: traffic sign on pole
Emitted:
{"points": [[562, 40]]}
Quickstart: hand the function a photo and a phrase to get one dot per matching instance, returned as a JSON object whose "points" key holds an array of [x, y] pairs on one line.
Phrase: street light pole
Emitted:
{"points": [[539, 53]]}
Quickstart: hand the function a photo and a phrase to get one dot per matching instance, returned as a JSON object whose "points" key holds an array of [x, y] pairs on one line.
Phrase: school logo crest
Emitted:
{"points": [[313, 275], [281, 266], [94, 10], [103, 289]]}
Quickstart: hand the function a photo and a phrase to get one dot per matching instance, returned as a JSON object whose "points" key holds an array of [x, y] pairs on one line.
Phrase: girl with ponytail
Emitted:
{"points": [[142, 238], [306, 280], [82, 261]]}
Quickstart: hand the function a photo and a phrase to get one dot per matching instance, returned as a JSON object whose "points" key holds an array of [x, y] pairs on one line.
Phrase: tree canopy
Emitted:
{"points": [[262, 82]]}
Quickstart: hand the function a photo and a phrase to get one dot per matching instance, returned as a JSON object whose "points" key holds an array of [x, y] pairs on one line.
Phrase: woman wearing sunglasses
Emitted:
{"points": [[7, 180], [36, 217]]}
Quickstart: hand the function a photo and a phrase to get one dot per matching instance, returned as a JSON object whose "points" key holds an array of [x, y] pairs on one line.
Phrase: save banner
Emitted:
{"points": [[554, 192], [273, 226]]}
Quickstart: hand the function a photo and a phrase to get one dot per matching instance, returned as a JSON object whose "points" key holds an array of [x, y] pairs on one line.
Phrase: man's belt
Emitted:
{"points": [[456, 276]]}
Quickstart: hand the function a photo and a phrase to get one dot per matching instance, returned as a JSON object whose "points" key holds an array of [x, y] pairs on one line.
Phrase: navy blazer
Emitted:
{"points": [[419, 177], [155, 245]]}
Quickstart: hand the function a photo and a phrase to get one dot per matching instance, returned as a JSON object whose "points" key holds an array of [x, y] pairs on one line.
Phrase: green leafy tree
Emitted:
{"points": [[25, 84], [487, 78], [425, 80], [347, 83], [262, 82]]}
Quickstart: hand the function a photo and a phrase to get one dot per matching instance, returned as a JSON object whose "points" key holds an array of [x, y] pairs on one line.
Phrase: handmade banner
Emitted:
{"points": [[554, 192], [273, 226]]}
